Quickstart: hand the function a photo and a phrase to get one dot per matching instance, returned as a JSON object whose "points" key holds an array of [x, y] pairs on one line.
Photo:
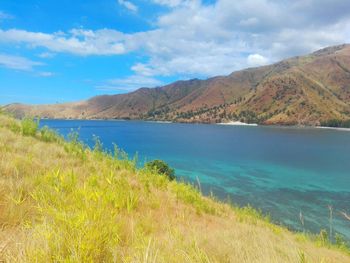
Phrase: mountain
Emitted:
{"points": [[305, 90]]}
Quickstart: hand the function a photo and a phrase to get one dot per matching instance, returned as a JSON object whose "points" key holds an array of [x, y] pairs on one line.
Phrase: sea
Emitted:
{"points": [[288, 173]]}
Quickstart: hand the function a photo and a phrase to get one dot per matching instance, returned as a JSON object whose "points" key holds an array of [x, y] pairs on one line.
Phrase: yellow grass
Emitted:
{"points": [[60, 202]]}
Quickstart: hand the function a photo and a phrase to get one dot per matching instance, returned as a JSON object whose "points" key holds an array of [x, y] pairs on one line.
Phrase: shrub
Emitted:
{"points": [[162, 168], [30, 126], [336, 123]]}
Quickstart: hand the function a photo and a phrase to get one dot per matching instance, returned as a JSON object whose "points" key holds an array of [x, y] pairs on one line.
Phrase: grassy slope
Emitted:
{"points": [[60, 202]]}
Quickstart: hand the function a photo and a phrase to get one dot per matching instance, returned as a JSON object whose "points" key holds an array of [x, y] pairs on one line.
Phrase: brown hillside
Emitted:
{"points": [[303, 90]]}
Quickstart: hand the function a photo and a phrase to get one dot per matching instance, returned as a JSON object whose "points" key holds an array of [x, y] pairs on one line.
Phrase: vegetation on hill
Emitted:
{"points": [[336, 123], [161, 167], [63, 202], [307, 90]]}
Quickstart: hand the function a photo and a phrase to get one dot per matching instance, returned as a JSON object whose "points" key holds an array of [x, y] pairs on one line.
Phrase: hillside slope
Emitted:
{"points": [[305, 90], [63, 203]]}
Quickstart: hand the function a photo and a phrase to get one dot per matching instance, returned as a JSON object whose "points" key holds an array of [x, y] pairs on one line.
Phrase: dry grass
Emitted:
{"points": [[60, 202]]}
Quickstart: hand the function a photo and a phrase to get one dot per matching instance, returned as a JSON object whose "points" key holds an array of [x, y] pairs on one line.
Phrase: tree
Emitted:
{"points": [[162, 168]]}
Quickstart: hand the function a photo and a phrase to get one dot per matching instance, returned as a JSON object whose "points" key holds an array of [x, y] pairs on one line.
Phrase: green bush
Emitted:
{"points": [[162, 168], [336, 123], [29, 126]]}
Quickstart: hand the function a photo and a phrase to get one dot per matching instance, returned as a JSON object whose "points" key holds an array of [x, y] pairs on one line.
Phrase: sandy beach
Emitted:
{"points": [[237, 123]]}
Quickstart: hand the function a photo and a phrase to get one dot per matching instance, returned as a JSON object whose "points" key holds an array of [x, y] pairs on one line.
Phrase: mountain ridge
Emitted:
{"points": [[304, 90]]}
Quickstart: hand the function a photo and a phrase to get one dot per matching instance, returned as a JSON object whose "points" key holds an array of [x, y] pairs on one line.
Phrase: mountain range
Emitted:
{"points": [[304, 90]]}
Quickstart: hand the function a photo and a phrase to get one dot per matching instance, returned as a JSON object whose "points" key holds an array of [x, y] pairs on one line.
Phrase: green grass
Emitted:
{"points": [[64, 202], [29, 126]]}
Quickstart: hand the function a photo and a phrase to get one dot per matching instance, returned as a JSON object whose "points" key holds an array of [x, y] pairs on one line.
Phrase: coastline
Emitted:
{"points": [[333, 128], [231, 123]]}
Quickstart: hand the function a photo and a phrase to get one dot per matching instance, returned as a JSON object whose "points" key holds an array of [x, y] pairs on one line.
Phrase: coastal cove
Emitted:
{"points": [[284, 171]]}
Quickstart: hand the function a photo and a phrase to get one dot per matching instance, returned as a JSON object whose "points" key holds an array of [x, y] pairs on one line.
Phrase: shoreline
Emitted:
{"points": [[333, 128], [232, 123]]}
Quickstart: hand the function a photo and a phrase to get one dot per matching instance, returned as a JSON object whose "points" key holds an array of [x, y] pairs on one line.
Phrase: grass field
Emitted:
{"points": [[62, 202]]}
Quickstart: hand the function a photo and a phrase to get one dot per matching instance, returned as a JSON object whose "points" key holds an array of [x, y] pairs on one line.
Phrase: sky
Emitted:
{"points": [[59, 51]]}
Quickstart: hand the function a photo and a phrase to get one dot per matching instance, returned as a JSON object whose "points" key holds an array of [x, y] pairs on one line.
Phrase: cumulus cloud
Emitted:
{"points": [[129, 83], [17, 62], [255, 60], [196, 39], [77, 41], [229, 35], [128, 5]]}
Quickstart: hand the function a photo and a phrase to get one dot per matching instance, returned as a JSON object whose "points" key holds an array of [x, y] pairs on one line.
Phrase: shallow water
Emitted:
{"points": [[282, 171]]}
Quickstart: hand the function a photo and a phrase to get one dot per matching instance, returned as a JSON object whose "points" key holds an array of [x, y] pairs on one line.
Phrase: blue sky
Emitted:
{"points": [[60, 51]]}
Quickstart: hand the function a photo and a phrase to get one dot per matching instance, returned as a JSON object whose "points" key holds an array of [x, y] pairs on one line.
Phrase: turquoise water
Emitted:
{"points": [[282, 171]]}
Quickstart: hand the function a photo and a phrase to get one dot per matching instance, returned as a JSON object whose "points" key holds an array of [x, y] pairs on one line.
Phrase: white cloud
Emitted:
{"points": [[255, 60], [129, 83], [46, 55], [197, 39], [143, 70], [128, 5], [77, 41], [252, 21], [46, 74], [17, 62], [201, 39]]}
